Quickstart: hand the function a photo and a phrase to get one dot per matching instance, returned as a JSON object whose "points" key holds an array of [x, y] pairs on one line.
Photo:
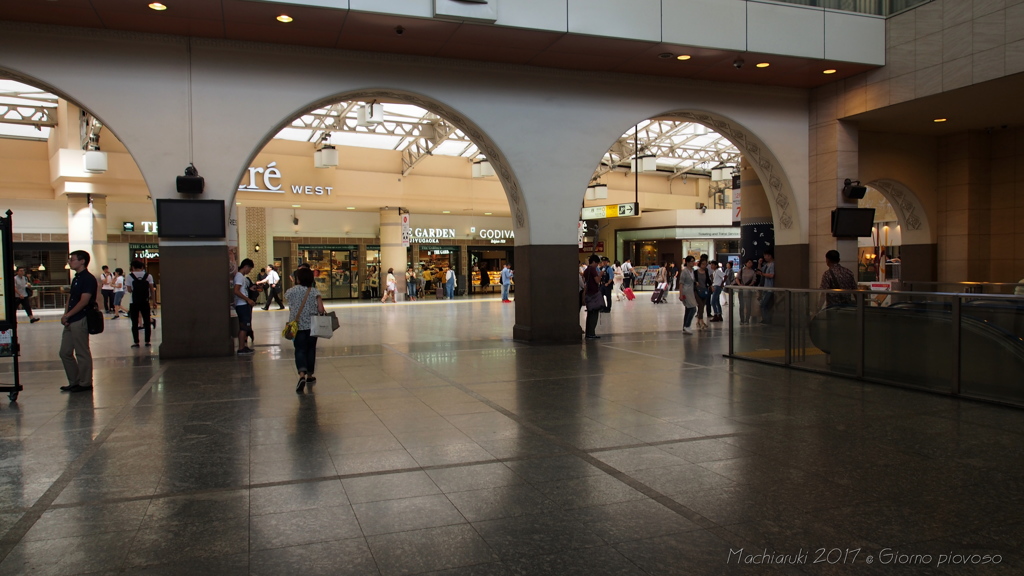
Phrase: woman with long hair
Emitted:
{"points": [[617, 278], [303, 302], [389, 286]]}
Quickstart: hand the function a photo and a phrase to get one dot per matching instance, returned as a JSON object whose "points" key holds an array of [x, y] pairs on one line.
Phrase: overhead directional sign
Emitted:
{"points": [[611, 211]]}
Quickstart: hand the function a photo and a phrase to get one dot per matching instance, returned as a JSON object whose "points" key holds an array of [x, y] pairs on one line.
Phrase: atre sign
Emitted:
{"points": [[268, 179]]}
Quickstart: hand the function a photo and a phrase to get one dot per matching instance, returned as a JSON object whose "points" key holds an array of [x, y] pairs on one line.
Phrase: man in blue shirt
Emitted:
{"points": [[506, 282], [74, 342]]}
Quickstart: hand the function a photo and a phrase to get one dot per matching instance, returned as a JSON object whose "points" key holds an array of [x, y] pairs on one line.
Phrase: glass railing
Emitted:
{"points": [[962, 344], [877, 7]]}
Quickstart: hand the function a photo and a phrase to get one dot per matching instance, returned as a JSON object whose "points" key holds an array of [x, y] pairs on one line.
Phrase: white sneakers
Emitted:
{"points": [[687, 331]]}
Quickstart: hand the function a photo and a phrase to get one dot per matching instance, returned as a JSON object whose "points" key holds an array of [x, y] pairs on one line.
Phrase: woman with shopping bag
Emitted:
{"points": [[304, 303]]}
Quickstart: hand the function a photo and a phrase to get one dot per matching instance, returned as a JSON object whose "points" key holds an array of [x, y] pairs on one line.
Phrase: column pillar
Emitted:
{"points": [[87, 227], [757, 229], [392, 253], [547, 294]]}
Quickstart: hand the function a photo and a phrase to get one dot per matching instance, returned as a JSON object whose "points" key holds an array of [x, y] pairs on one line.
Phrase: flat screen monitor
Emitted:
{"points": [[190, 218], [852, 222]]}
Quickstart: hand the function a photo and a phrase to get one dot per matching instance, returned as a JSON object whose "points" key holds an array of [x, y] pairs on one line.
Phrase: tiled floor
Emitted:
{"points": [[434, 445]]}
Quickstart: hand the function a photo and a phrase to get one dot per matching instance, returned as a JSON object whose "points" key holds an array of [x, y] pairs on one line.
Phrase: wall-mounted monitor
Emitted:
{"points": [[852, 222], [190, 218]]}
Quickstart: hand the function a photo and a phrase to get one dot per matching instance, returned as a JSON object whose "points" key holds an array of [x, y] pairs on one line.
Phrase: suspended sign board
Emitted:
{"points": [[611, 211]]}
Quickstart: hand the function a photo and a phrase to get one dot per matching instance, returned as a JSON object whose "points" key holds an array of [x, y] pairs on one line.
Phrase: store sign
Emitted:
{"points": [[268, 179], [406, 231], [581, 230], [149, 227], [145, 251], [496, 236], [431, 235], [128, 226], [590, 247], [629, 210]]}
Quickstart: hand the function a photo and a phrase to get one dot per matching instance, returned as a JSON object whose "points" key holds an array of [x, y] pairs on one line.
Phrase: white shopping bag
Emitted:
{"points": [[321, 326]]}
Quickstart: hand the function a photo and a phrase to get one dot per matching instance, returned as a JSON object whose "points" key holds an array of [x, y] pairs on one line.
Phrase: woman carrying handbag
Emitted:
{"points": [[304, 301]]}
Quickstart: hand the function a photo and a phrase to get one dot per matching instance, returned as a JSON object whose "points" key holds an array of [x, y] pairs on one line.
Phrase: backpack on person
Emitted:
{"points": [[140, 288]]}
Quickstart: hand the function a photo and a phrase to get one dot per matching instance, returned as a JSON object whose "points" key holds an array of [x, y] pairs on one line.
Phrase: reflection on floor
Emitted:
{"points": [[433, 444]]}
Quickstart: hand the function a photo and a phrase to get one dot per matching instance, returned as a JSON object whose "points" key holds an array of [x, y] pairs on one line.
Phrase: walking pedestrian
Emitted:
{"points": [[22, 294], [273, 283], [140, 285], [303, 302]]}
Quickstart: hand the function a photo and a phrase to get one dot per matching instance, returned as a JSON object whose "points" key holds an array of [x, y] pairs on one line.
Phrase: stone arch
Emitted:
{"points": [[913, 219], [498, 161], [767, 166]]}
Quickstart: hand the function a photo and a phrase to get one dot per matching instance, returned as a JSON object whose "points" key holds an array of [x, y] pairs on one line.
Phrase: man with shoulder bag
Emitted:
{"points": [[75, 354]]}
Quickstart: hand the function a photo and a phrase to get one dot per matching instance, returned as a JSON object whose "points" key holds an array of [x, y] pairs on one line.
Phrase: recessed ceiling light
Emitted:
{"points": [[829, 71], [157, 6], [763, 64], [296, 206], [350, 207], [238, 203], [487, 213], [683, 57], [284, 18], [939, 120], [446, 211]]}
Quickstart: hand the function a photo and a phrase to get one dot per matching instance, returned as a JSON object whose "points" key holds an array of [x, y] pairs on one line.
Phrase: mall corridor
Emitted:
{"points": [[431, 444]]}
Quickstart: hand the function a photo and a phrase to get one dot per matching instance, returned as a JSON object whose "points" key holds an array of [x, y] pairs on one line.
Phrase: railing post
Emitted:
{"points": [[789, 327], [732, 317], [860, 334], [955, 340]]}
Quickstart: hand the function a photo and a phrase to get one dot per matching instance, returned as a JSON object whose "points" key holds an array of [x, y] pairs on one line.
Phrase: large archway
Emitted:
{"points": [[913, 219]]}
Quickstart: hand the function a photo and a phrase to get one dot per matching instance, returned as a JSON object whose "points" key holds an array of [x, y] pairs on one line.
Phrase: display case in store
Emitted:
{"points": [[492, 276]]}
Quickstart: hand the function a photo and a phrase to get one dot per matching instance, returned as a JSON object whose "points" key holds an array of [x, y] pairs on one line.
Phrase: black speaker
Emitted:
{"points": [[856, 192], [191, 184]]}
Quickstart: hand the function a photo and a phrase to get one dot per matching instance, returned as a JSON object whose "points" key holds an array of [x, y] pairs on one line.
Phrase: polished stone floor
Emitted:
{"points": [[432, 444]]}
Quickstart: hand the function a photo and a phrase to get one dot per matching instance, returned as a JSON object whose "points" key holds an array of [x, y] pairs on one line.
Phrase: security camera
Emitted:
{"points": [[738, 63], [295, 220], [399, 30]]}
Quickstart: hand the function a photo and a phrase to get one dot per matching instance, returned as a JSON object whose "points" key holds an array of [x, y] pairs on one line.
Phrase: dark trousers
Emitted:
{"points": [[136, 310], [273, 293], [767, 307], [606, 293], [627, 282], [592, 318], [108, 300], [24, 303], [305, 352], [688, 316]]}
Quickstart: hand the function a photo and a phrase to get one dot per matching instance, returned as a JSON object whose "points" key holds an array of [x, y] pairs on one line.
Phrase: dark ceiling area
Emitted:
{"points": [[343, 29]]}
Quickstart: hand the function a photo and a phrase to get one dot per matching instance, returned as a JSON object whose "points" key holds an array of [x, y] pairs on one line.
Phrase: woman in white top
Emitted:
{"points": [[617, 278], [390, 286], [119, 294]]}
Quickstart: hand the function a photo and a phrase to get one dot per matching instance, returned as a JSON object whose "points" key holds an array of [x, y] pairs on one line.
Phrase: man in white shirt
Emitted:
{"points": [[627, 274], [107, 288], [273, 282], [717, 282], [21, 287], [243, 305]]}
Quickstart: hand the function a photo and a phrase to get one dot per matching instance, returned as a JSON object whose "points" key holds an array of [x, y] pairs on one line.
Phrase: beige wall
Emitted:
{"points": [[910, 160]]}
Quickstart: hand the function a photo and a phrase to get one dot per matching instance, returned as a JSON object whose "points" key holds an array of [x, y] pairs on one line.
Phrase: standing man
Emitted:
{"points": [[506, 282], [74, 340], [22, 284], [767, 273], [837, 278], [627, 274], [243, 305], [592, 289], [606, 284], [717, 282], [140, 285], [273, 282], [107, 286]]}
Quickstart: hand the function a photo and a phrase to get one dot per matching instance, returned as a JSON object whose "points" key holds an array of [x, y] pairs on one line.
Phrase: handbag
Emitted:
{"points": [[320, 326], [292, 327], [334, 320], [594, 302], [94, 320]]}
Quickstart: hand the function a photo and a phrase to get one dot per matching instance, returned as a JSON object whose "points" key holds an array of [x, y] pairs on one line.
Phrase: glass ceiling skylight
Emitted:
{"points": [[26, 112]]}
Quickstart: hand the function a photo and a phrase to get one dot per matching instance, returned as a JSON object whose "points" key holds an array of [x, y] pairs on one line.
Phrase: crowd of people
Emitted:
{"points": [[700, 283]]}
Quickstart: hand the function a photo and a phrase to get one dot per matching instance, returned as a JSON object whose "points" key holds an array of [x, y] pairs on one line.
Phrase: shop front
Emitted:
{"points": [[487, 261], [653, 247], [335, 269]]}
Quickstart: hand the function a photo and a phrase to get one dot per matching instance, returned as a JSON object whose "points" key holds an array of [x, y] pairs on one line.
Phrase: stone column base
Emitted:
{"points": [[547, 294], [194, 293]]}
